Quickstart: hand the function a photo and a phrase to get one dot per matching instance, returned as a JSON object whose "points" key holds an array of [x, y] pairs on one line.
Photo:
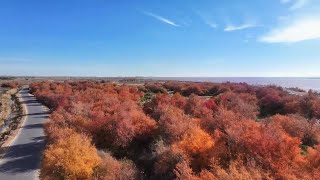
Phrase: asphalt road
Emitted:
{"points": [[22, 158]]}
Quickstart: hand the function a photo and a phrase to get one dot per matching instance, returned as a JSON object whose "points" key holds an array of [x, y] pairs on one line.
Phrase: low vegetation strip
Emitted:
{"points": [[5, 104], [13, 115], [178, 130]]}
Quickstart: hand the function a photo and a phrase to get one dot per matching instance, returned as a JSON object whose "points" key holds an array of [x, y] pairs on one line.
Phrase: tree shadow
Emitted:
{"points": [[41, 117], [31, 101], [40, 138], [26, 96], [33, 126], [34, 105], [23, 157], [38, 114]]}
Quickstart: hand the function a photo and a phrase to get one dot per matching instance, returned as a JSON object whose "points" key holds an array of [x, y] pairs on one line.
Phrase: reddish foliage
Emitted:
{"points": [[310, 105], [313, 163], [243, 104], [173, 123], [297, 126], [270, 101], [197, 107], [122, 127], [268, 146], [10, 84], [111, 169], [213, 131]]}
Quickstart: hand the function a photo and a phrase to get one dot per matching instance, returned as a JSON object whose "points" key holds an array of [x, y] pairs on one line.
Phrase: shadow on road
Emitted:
{"points": [[33, 126], [31, 101], [37, 114], [26, 96], [34, 105], [40, 138], [42, 117], [24, 154], [19, 157]]}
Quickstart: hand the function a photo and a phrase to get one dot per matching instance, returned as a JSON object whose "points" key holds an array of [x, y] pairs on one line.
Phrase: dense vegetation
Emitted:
{"points": [[179, 130]]}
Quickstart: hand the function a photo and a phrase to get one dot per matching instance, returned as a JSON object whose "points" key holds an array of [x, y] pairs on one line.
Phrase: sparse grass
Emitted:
{"points": [[5, 106], [14, 116]]}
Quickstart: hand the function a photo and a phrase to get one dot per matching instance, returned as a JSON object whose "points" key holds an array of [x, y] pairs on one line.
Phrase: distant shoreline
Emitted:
{"points": [[305, 83]]}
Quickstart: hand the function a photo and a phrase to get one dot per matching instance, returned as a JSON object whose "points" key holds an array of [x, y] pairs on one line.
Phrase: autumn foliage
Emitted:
{"points": [[10, 84], [179, 130], [72, 157]]}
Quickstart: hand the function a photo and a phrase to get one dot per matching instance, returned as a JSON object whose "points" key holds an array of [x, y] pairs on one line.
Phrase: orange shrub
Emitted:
{"points": [[173, 123], [268, 146], [70, 158], [196, 145], [313, 163]]}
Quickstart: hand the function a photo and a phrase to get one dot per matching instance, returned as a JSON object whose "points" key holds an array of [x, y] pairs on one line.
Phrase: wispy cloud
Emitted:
{"points": [[295, 4], [231, 27], [207, 18], [162, 19], [211, 24], [299, 4], [10, 60], [301, 29], [285, 1]]}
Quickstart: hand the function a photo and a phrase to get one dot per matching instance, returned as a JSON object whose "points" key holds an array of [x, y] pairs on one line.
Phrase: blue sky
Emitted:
{"points": [[160, 38]]}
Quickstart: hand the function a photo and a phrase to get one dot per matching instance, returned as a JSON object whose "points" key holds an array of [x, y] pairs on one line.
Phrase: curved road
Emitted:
{"points": [[22, 158]]}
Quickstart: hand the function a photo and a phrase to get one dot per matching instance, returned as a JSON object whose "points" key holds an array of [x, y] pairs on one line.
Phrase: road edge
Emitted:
{"points": [[12, 137]]}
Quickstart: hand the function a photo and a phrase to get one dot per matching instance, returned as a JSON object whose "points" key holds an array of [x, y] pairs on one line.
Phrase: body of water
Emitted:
{"points": [[303, 83]]}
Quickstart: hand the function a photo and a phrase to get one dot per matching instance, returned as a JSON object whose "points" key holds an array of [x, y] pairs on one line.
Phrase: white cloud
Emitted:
{"points": [[239, 27], [299, 30], [162, 19]]}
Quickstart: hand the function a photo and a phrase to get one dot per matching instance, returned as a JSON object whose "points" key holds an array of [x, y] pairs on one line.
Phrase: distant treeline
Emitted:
{"points": [[7, 78]]}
